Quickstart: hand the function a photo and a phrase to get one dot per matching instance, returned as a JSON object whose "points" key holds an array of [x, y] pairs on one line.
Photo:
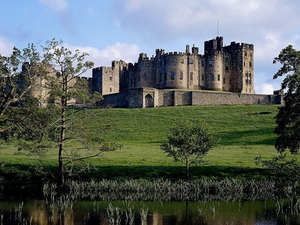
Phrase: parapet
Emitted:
{"points": [[241, 45], [160, 51], [143, 56]]}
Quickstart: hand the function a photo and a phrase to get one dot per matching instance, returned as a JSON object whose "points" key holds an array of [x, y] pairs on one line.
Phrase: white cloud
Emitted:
{"points": [[6, 46], [56, 5], [118, 51], [264, 89], [238, 18]]}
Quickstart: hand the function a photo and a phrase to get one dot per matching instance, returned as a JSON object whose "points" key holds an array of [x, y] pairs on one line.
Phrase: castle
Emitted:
{"points": [[221, 68], [156, 81]]}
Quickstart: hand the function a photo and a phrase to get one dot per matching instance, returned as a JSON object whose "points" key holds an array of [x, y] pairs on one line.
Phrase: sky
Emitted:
{"points": [[121, 29]]}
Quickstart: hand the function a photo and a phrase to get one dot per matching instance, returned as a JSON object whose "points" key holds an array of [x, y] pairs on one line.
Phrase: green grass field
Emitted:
{"points": [[245, 132]]}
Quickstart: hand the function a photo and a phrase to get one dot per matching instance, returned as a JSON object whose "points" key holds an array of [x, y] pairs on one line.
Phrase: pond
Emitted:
{"points": [[41, 212]]}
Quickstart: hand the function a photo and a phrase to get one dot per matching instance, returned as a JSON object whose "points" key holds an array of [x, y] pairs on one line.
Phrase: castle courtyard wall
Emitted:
{"points": [[135, 98]]}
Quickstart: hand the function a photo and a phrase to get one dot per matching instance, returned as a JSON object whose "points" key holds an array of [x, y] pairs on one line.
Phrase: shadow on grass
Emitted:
{"points": [[22, 174], [173, 172]]}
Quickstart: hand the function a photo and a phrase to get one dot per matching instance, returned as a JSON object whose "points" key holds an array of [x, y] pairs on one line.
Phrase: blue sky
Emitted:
{"points": [[121, 29]]}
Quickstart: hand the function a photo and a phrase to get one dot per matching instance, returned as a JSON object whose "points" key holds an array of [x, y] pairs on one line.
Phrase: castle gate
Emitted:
{"points": [[149, 101]]}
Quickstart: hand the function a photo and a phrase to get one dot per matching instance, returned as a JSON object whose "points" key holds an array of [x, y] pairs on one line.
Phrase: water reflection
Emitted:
{"points": [[151, 213]]}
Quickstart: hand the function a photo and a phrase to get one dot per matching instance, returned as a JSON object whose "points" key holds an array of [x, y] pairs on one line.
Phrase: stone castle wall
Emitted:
{"points": [[137, 98]]}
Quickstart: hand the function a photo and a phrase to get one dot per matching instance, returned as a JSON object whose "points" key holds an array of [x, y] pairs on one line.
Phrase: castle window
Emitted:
{"points": [[181, 75], [210, 63], [110, 89], [202, 77], [110, 78], [224, 81], [191, 76], [212, 77], [218, 77], [226, 68], [172, 75], [245, 53], [190, 61], [250, 78], [250, 64]]}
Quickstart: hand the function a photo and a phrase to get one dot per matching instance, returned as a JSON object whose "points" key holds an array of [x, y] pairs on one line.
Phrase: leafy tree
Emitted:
{"points": [[288, 117], [71, 130], [18, 73], [189, 143]]}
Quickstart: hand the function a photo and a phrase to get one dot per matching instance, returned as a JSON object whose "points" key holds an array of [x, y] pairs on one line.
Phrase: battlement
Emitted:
{"points": [[175, 54], [160, 52], [235, 45]]}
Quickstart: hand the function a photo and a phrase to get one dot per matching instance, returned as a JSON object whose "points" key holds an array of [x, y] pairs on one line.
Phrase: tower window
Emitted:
{"points": [[212, 77], [210, 63], [191, 76], [218, 77], [224, 80], [181, 75], [250, 64], [172, 75]]}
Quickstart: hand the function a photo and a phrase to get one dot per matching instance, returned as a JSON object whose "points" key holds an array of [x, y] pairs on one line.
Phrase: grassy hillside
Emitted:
{"points": [[244, 131], [235, 125]]}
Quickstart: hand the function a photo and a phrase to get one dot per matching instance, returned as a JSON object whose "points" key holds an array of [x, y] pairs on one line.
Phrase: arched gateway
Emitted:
{"points": [[149, 101]]}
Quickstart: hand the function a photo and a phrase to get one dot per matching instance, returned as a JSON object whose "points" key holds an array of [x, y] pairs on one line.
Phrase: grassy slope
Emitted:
{"points": [[245, 132]]}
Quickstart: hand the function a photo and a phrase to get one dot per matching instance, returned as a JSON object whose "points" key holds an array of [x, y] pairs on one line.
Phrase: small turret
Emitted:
{"points": [[187, 49]]}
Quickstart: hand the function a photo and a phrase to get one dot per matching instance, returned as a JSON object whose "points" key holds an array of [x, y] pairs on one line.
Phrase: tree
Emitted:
{"points": [[189, 143], [288, 117], [18, 73], [64, 84]]}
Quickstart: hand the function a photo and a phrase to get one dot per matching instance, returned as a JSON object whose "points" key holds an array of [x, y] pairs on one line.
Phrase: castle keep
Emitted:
{"points": [[147, 83]]}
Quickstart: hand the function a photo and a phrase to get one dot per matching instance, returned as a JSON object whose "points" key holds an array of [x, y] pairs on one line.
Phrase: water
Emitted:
{"points": [[39, 212]]}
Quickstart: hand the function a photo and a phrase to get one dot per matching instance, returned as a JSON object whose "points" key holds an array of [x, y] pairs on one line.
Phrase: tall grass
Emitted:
{"points": [[165, 190]]}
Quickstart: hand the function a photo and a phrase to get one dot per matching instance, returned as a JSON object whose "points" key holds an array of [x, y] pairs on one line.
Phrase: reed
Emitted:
{"points": [[205, 189]]}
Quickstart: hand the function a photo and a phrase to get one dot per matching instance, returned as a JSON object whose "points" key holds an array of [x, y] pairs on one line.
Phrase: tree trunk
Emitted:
{"points": [[61, 168], [61, 171], [187, 165]]}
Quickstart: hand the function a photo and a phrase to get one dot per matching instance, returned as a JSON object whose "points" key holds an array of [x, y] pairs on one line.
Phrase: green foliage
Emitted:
{"points": [[288, 117], [18, 73], [288, 169], [189, 142]]}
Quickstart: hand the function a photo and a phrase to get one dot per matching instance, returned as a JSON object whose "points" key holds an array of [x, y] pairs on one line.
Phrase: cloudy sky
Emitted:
{"points": [[121, 29]]}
